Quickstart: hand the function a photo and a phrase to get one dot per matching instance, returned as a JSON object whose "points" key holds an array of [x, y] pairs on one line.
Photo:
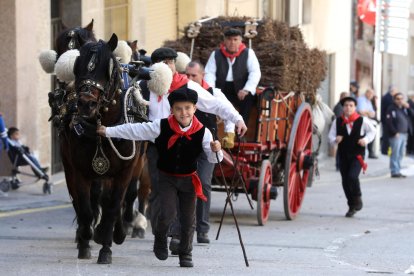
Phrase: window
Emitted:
{"points": [[116, 18], [306, 11]]}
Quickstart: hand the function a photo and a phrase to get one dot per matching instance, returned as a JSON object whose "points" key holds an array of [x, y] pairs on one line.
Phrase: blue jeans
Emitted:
{"points": [[398, 144]]}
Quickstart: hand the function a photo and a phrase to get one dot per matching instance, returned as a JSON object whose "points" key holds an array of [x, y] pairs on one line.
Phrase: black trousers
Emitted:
{"points": [[350, 169], [171, 190], [243, 106]]}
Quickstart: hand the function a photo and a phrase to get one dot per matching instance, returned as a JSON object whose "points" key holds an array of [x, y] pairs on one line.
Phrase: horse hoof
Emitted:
{"points": [[105, 256], [138, 232], [84, 253]]}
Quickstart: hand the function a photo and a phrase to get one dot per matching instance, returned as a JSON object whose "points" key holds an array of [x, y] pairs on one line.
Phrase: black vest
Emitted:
{"points": [[349, 147], [207, 119], [240, 72], [181, 158]]}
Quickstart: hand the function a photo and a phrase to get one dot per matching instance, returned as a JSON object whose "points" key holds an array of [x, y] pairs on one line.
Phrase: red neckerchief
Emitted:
{"points": [[364, 165], [204, 84], [177, 81], [232, 56], [350, 121], [175, 126]]}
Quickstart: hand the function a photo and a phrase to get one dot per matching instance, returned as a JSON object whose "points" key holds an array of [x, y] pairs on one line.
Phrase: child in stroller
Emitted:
{"points": [[20, 155]]}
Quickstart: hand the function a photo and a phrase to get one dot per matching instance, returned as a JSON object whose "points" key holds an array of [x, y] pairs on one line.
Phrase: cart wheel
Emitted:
{"points": [[47, 188], [298, 161], [263, 192]]}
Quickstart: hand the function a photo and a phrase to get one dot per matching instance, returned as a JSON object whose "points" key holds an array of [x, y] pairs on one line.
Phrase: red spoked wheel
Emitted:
{"points": [[298, 161], [263, 192]]}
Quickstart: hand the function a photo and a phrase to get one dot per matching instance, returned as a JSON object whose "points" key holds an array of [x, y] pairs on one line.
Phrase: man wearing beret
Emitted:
{"points": [[179, 140], [235, 70], [352, 133]]}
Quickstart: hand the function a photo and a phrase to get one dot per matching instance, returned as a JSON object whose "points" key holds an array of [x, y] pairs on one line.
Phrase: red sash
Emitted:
{"points": [[198, 188]]}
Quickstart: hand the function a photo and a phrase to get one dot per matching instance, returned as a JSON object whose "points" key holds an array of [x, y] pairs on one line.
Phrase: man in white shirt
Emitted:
{"points": [[235, 70], [366, 109]]}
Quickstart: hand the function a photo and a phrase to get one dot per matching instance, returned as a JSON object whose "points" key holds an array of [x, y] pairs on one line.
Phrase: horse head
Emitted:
{"points": [[74, 38], [97, 78]]}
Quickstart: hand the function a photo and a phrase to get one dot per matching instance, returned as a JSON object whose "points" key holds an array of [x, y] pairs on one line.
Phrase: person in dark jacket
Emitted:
{"points": [[410, 140], [351, 132], [386, 102], [398, 124]]}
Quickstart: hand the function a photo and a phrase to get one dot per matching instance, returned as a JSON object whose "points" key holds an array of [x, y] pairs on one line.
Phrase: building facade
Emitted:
{"points": [[31, 25]]}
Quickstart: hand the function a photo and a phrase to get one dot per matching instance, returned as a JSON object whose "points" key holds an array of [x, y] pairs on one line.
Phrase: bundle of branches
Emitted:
{"points": [[285, 60]]}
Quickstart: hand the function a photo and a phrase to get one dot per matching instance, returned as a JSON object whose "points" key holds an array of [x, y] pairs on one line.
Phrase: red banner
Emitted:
{"points": [[367, 10]]}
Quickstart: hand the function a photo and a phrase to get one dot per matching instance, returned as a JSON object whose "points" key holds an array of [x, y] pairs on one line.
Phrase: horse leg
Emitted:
{"points": [[130, 197], [111, 210], [84, 218]]}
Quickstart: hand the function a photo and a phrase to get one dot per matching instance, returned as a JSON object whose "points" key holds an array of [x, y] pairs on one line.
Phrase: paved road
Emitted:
{"points": [[321, 241]]}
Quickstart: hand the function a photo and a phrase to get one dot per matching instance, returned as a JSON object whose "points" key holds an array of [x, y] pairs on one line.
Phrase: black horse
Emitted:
{"points": [[88, 159]]}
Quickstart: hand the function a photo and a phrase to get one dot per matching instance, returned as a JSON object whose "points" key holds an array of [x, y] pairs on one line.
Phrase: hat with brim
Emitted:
{"points": [[347, 99], [183, 94], [163, 53]]}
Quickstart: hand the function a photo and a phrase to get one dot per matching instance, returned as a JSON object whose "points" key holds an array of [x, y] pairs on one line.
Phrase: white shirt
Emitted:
{"points": [[151, 130], [219, 106], [253, 67], [367, 129]]}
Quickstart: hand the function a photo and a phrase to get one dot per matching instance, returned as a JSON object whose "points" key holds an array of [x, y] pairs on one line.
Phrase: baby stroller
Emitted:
{"points": [[19, 157]]}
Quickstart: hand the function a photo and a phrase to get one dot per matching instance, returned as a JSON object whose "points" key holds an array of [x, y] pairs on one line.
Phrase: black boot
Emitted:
{"points": [[351, 212], [186, 260], [160, 248], [174, 245], [358, 203]]}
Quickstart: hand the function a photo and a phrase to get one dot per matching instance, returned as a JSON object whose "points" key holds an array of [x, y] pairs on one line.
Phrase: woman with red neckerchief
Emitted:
{"points": [[352, 133]]}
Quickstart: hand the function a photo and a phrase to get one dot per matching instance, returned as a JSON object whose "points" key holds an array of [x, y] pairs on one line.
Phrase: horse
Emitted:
{"points": [[92, 163]]}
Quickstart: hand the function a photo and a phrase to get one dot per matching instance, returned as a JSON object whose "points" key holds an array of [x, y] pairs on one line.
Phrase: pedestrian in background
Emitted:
{"points": [[365, 108], [354, 89], [410, 140], [351, 132], [386, 102], [399, 124]]}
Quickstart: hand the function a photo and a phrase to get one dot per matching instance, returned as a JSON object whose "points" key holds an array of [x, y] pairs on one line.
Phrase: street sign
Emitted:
{"points": [[393, 26]]}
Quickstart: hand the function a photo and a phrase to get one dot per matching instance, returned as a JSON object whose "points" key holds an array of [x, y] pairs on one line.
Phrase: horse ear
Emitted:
{"points": [[113, 42], [134, 45], [89, 27]]}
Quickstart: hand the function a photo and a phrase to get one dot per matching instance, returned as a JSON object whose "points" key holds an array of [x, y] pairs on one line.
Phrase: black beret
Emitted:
{"points": [[232, 32], [163, 53], [183, 94], [347, 99]]}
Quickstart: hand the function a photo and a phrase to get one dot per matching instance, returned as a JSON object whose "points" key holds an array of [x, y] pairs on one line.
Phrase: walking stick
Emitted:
{"points": [[228, 200]]}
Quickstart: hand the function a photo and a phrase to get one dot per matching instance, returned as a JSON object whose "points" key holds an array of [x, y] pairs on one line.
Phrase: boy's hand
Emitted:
{"points": [[362, 142], [215, 146], [339, 139], [101, 130]]}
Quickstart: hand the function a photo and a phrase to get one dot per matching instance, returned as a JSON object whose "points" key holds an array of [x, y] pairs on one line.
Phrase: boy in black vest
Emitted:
{"points": [[179, 139], [352, 133]]}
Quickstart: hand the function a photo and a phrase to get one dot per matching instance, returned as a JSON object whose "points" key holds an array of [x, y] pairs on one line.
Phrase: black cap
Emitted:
{"points": [[347, 99], [232, 32], [183, 94], [354, 83], [163, 53]]}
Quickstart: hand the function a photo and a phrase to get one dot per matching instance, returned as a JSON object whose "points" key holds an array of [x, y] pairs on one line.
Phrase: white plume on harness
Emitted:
{"points": [[181, 62], [47, 59], [123, 51], [161, 78], [64, 66]]}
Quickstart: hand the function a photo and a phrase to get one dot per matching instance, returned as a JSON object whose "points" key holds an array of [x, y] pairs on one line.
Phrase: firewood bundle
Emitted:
{"points": [[285, 60]]}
